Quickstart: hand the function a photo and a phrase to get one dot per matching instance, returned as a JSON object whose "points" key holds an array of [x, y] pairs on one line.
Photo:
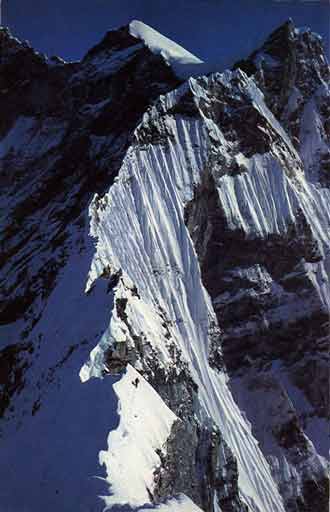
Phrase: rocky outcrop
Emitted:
{"points": [[200, 464], [191, 461]]}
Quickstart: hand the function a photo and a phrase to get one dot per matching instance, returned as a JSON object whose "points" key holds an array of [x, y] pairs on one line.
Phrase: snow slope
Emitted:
{"points": [[145, 425]]}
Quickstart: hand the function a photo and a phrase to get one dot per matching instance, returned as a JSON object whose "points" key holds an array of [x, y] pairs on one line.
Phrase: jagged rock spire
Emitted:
{"points": [[290, 57]]}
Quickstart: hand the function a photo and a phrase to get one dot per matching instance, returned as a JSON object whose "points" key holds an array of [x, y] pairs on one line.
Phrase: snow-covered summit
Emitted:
{"points": [[173, 53], [136, 34], [183, 63]]}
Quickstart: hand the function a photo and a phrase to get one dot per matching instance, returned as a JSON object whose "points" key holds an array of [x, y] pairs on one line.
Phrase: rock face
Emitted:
{"points": [[165, 293], [292, 70]]}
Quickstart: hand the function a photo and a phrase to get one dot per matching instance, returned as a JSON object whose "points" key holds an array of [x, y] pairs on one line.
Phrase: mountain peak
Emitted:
{"points": [[183, 63], [290, 57], [114, 40], [10, 44], [18, 60], [172, 52], [279, 42], [287, 37]]}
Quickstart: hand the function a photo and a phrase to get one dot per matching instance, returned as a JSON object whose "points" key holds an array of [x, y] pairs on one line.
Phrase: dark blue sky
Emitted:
{"points": [[216, 30]]}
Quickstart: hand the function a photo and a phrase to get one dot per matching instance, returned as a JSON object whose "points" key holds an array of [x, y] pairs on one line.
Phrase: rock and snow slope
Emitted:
{"points": [[165, 279]]}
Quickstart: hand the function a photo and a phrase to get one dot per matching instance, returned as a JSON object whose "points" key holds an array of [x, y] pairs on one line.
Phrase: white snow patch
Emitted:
{"points": [[145, 424]]}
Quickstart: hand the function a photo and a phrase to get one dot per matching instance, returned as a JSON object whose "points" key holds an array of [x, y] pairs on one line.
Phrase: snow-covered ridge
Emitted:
{"points": [[152, 189], [160, 44], [183, 63], [145, 424]]}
